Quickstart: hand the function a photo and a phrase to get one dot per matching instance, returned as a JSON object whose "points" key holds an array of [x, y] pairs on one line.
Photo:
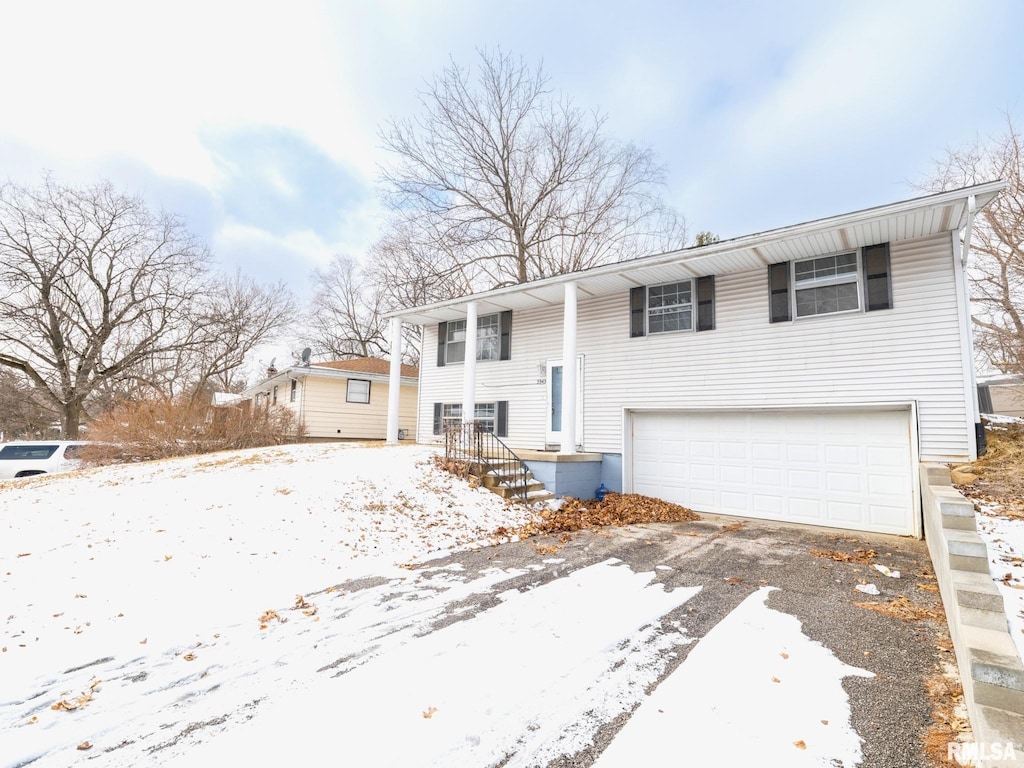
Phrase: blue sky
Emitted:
{"points": [[257, 122]]}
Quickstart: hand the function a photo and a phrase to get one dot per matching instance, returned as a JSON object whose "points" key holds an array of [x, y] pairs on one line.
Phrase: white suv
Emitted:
{"points": [[39, 457]]}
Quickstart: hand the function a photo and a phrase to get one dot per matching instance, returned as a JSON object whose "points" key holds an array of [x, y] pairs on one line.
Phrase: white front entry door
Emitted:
{"points": [[553, 438]]}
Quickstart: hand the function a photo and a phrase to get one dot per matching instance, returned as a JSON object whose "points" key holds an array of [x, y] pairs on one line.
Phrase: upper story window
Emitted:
{"points": [[684, 306], [824, 285], [670, 307], [294, 390], [493, 339]]}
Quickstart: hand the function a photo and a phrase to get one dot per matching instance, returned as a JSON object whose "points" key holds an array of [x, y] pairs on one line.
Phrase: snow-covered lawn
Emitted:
{"points": [[250, 609], [1005, 539]]}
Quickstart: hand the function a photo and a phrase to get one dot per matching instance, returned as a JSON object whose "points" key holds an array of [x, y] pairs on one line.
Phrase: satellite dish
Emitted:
{"points": [[305, 355]]}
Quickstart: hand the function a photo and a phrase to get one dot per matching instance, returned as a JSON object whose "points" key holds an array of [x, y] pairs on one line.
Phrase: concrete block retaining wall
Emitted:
{"points": [[990, 667]]}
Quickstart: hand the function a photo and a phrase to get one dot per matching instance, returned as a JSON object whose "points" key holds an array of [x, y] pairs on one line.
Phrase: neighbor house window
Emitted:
{"points": [[493, 339], [825, 285], [491, 417], [259, 399], [294, 389], [275, 394], [358, 391], [684, 306]]}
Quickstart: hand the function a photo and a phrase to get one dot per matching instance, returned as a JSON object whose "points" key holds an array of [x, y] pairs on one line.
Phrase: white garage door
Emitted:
{"points": [[845, 469]]}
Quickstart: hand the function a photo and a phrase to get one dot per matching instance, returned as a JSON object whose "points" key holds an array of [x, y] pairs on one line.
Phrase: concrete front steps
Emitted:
{"points": [[495, 477]]}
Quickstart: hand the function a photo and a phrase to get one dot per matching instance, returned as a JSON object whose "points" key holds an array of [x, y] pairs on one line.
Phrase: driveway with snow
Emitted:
{"points": [[278, 605]]}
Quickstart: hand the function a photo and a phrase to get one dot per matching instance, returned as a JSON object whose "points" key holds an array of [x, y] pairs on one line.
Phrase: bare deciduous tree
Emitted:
{"points": [[497, 182], [346, 312], [24, 414], [100, 297], [996, 270]]}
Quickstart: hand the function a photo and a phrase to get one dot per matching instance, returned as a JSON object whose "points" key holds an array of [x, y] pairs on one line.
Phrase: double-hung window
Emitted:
{"points": [[824, 285], [670, 307], [493, 339], [490, 417], [683, 306]]}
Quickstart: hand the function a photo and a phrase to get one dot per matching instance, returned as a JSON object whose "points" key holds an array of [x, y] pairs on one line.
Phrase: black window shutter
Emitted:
{"points": [[506, 335], [637, 311], [706, 303], [438, 420], [778, 289], [442, 333], [502, 425], [877, 278]]}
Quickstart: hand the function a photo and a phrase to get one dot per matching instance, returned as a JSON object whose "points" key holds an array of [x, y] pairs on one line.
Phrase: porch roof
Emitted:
{"points": [[906, 220]]}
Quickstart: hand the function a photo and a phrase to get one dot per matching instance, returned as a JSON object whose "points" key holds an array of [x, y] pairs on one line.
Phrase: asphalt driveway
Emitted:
{"points": [[710, 643]]}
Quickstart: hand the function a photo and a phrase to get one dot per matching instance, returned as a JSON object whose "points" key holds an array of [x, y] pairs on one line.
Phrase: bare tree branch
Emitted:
{"points": [[497, 182], [996, 270]]}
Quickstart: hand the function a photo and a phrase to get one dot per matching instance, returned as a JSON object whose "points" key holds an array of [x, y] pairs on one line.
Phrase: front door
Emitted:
{"points": [[553, 438]]}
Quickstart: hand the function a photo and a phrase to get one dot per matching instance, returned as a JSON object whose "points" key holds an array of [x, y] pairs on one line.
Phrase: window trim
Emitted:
{"points": [[348, 391], [502, 345], [881, 290], [703, 307], [857, 280], [443, 417]]}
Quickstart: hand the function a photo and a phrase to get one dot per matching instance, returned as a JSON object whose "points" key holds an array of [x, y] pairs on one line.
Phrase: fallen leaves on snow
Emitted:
{"points": [[429, 713], [615, 509]]}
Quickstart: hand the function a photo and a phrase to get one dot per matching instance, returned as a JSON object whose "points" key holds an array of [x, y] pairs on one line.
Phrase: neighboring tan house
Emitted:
{"points": [[799, 374], [1002, 395], [340, 400]]}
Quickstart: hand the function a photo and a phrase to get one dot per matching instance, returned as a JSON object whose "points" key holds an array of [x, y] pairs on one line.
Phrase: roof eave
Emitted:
{"points": [[983, 194]]}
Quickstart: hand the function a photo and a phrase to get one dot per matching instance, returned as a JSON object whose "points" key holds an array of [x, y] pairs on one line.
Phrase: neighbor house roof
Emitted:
{"points": [[368, 365], [372, 368], [918, 217]]}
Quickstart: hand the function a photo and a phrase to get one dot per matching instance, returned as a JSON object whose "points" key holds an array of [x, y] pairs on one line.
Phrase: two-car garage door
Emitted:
{"points": [[845, 469]]}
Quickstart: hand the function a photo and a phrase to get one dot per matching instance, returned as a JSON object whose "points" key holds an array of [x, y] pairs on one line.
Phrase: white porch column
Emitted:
{"points": [[469, 367], [569, 371], [394, 380]]}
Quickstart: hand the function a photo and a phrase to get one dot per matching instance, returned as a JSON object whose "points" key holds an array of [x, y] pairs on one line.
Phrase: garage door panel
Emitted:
{"points": [[848, 469], [843, 482]]}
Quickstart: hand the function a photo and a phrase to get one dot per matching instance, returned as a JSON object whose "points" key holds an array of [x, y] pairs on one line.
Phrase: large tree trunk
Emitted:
{"points": [[70, 419]]}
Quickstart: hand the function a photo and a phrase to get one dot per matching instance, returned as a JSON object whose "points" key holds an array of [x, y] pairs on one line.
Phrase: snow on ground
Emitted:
{"points": [[768, 696], [1005, 539], [115, 557], [139, 627]]}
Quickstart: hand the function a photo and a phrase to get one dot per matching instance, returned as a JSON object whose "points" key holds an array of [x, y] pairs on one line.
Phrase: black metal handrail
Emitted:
{"points": [[475, 444]]}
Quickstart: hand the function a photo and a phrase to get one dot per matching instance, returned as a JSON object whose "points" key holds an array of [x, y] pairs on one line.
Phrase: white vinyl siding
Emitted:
{"points": [[911, 353], [326, 414]]}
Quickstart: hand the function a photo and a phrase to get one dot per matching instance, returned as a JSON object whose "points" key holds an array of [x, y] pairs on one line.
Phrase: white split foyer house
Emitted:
{"points": [[797, 375]]}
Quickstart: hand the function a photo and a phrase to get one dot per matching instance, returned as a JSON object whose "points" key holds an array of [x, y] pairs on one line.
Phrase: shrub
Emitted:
{"points": [[161, 428]]}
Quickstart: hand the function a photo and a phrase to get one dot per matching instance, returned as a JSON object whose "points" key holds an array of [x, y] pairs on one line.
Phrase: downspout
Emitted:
{"points": [[979, 428]]}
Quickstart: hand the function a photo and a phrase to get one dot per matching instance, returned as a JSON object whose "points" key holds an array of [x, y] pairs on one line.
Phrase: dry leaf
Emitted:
{"points": [[84, 745], [189, 656], [430, 712], [734, 580], [24, 554], [784, 655], [732, 526], [167, 557], [800, 744], [776, 680], [824, 722]]}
